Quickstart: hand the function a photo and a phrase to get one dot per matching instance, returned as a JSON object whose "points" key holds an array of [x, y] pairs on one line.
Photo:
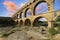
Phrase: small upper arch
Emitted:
{"points": [[27, 12]]}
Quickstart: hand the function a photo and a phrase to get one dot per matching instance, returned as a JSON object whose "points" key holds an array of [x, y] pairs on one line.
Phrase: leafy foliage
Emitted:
{"points": [[52, 31], [6, 21]]}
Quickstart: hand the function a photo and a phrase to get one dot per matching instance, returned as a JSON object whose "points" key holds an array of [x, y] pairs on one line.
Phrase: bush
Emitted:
{"points": [[52, 31], [5, 35]]}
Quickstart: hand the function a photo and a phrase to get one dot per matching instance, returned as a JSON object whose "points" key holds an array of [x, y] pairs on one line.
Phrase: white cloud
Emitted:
{"points": [[43, 19]]}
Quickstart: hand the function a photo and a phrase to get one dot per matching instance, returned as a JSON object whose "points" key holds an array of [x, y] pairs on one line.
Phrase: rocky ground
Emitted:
{"points": [[30, 33]]}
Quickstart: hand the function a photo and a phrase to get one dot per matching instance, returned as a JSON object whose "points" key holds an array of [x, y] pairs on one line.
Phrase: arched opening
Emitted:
{"points": [[27, 22], [17, 22], [17, 16], [28, 12], [57, 22], [21, 15], [40, 7], [21, 23], [40, 21]]}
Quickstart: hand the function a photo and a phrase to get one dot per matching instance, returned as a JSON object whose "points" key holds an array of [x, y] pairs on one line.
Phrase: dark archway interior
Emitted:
{"points": [[40, 21], [27, 22], [21, 22]]}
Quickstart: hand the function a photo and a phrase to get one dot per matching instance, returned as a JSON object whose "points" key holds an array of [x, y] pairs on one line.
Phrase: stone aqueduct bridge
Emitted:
{"points": [[51, 15]]}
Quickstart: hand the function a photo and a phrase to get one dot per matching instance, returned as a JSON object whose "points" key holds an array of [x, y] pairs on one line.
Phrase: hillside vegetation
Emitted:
{"points": [[6, 21]]}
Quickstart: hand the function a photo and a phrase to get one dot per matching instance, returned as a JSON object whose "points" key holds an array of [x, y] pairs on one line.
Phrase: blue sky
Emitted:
{"points": [[5, 11]]}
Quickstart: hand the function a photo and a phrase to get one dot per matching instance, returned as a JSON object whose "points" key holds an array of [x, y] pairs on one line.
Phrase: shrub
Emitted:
{"points": [[52, 31], [5, 35]]}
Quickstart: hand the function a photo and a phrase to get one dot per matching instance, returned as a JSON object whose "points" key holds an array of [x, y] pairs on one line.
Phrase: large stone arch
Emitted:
{"points": [[37, 4], [25, 14], [21, 22], [36, 21], [27, 22]]}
